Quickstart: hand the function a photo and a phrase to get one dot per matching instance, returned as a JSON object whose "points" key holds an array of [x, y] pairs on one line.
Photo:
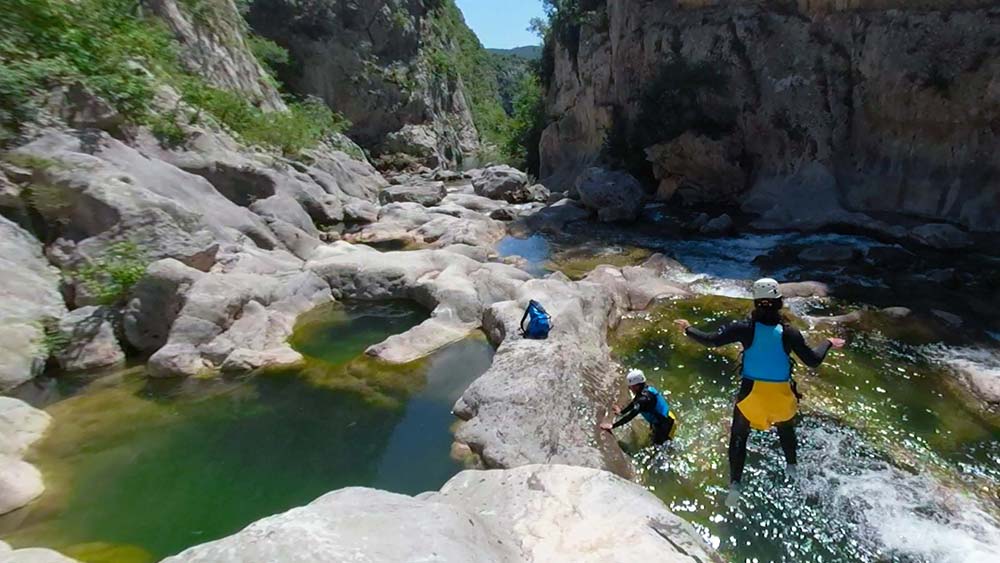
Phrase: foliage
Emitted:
{"points": [[110, 277], [54, 340], [269, 53], [527, 123], [119, 55], [464, 56]]}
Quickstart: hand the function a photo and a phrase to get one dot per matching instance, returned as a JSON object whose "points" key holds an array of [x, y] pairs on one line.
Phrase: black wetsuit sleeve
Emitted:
{"points": [[795, 342], [633, 409], [741, 331]]}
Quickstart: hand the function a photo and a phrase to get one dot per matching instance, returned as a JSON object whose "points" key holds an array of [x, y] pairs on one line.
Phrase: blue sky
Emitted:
{"points": [[502, 24]]}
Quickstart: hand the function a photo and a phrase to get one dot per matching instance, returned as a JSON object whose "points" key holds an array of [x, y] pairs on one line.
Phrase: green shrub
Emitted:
{"points": [[114, 273], [527, 124], [269, 53], [167, 129]]}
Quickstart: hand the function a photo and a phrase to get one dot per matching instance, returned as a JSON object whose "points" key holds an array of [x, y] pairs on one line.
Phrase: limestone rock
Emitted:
{"points": [[427, 194], [804, 289], [79, 107], [503, 183], [90, 340], [827, 254], [941, 236], [20, 426], [616, 196], [575, 356], [33, 555], [361, 212], [418, 141], [877, 98], [29, 297], [213, 45], [533, 514], [155, 302], [721, 225]]}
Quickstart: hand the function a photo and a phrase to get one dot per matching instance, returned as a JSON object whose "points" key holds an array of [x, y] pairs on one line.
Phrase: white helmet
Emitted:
{"points": [[635, 377], [766, 289]]}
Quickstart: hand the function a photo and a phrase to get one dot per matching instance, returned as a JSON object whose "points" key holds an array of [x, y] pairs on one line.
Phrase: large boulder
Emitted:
{"points": [[534, 514], [427, 194], [941, 236], [615, 195], [503, 183], [698, 169], [29, 299], [237, 320], [89, 340], [155, 302], [20, 426], [575, 356]]}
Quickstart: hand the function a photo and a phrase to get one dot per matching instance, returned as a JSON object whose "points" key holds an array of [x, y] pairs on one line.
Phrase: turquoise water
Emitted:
{"points": [[138, 470]]}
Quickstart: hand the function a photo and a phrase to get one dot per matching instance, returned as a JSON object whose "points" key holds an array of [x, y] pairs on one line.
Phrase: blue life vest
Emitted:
{"points": [[539, 321], [766, 359], [660, 411]]}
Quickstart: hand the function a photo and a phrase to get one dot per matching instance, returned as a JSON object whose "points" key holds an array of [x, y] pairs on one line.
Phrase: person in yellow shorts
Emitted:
{"points": [[767, 395]]}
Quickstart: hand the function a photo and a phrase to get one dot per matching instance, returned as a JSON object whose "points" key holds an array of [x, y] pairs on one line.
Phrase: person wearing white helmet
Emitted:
{"points": [[651, 404], [767, 395]]}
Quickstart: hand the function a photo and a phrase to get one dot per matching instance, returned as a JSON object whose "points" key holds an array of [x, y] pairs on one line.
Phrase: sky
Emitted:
{"points": [[502, 24]]}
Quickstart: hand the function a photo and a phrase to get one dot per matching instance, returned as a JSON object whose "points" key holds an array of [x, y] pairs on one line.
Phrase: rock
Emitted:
{"points": [[892, 257], [20, 483], [90, 338], [827, 254], [698, 168], [804, 289], [533, 514], [574, 356], [361, 212], [941, 236], [448, 176], [369, 60], [20, 426], [473, 202], [247, 314], [539, 193], [554, 218], [896, 312], [861, 91], [949, 319], [214, 47], [428, 194], [155, 302], [503, 183], [79, 107], [944, 276], [721, 225], [503, 214], [29, 299], [616, 196], [417, 141], [34, 555]]}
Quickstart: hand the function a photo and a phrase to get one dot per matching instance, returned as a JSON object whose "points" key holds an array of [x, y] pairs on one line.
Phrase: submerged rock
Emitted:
{"points": [[533, 514], [31, 555]]}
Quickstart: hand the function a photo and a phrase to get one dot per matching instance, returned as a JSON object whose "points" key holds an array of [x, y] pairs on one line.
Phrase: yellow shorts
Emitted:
{"points": [[769, 403]]}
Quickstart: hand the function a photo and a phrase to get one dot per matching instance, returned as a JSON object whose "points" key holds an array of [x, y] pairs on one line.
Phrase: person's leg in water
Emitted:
{"points": [[790, 446], [661, 438], [739, 433]]}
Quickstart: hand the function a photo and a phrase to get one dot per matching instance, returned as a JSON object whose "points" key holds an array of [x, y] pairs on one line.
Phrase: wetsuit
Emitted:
{"points": [[791, 341], [654, 408]]}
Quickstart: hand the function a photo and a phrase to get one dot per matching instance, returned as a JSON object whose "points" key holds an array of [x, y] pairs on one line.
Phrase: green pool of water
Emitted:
{"points": [[137, 469], [896, 464]]}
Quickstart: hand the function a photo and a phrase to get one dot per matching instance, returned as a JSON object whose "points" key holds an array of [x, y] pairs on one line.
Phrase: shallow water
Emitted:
{"points": [[896, 464], [137, 470]]}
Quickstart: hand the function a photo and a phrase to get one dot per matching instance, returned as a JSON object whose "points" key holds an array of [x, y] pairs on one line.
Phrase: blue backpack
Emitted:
{"points": [[539, 321]]}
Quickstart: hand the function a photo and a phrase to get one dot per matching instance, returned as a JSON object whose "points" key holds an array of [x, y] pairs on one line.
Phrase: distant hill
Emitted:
{"points": [[528, 52]]}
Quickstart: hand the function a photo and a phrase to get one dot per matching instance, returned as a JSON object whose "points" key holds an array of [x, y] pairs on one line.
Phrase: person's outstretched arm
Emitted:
{"points": [[633, 409], [810, 356], [740, 331]]}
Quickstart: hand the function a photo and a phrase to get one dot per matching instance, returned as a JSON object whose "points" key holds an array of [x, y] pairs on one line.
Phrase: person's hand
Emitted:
{"points": [[616, 409], [606, 426], [682, 324], [838, 343]]}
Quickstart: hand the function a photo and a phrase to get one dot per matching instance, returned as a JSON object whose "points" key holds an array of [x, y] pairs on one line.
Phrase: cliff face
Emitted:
{"points": [[214, 46], [848, 104], [383, 64]]}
